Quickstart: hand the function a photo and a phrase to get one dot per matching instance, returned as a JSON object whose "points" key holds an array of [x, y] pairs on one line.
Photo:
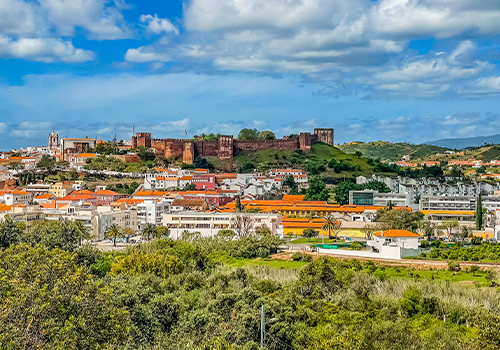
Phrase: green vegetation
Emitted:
{"points": [[390, 151], [254, 134], [124, 188], [206, 293], [485, 252], [317, 162]]}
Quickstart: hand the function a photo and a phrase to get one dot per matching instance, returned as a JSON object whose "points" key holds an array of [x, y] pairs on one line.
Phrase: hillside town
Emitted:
{"points": [[185, 199]]}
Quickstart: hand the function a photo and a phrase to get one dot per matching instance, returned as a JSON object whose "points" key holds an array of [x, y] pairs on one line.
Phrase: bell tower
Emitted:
{"points": [[53, 141]]}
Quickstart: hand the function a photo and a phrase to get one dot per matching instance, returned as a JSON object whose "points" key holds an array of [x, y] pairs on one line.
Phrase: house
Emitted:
{"points": [[204, 181], [105, 197], [60, 189], [208, 224], [389, 244]]}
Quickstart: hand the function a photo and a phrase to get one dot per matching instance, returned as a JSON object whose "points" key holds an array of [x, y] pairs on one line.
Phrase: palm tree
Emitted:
{"points": [[331, 225], [114, 232], [149, 230]]}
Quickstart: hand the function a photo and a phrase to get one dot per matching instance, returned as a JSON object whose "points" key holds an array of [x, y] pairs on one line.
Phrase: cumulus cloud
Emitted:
{"points": [[145, 54], [101, 18], [43, 49], [357, 47], [157, 25]]}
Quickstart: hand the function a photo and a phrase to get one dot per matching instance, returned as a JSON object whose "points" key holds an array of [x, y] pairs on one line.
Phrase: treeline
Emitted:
{"points": [[178, 295]]}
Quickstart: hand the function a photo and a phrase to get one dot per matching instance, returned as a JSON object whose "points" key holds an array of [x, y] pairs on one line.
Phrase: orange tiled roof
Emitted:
{"points": [[396, 233], [86, 155], [106, 193]]}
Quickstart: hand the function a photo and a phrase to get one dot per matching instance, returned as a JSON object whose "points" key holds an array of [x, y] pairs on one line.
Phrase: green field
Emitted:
{"points": [[319, 156], [381, 271], [388, 151], [454, 277]]}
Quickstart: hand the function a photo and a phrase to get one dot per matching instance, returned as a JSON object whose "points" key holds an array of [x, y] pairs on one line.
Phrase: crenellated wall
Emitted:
{"points": [[227, 146]]}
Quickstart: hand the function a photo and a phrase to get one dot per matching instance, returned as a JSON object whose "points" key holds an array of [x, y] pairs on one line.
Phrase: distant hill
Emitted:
{"points": [[460, 143], [388, 151]]}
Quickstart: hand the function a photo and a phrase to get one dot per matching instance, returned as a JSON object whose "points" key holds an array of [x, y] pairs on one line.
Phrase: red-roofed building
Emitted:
{"points": [[213, 198], [105, 197], [204, 181]]}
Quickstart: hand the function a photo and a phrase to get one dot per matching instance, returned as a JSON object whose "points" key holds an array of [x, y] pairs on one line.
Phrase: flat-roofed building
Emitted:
{"points": [[208, 224]]}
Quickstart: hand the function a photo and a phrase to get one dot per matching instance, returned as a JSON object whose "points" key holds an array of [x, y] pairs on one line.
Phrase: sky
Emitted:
{"points": [[395, 70]]}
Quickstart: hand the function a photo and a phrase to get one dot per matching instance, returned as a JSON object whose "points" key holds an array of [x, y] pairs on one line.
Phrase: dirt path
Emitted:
{"points": [[417, 264]]}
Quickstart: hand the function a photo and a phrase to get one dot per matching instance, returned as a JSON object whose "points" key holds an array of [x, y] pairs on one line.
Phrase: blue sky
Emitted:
{"points": [[397, 70]]}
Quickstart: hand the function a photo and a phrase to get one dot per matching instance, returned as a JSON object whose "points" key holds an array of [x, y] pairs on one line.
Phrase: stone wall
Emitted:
{"points": [[241, 147], [227, 146], [206, 149]]}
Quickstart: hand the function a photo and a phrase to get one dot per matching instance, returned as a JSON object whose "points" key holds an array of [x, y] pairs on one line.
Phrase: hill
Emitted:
{"points": [[387, 151], [460, 143], [318, 161]]}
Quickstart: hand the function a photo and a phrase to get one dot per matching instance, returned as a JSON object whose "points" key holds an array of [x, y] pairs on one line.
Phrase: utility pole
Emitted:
{"points": [[262, 326]]}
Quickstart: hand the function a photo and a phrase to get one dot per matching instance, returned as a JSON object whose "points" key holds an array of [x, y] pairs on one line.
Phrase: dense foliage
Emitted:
{"points": [[483, 252], [169, 294], [342, 189]]}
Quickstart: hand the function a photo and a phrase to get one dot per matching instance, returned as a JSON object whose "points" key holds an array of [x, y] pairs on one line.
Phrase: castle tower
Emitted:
{"points": [[53, 141], [325, 135]]}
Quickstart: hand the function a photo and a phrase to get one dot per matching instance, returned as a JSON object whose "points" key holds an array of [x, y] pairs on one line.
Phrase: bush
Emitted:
{"points": [[476, 240], [454, 266], [425, 244], [357, 246], [302, 257]]}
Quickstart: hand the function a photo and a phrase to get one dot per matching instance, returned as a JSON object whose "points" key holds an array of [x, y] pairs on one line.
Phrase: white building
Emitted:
{"points": [[151, 211], [208, 224]]}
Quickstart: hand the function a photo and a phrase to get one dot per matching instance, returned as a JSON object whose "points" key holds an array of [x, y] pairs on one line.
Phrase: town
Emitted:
{"points": [[63, 181]]}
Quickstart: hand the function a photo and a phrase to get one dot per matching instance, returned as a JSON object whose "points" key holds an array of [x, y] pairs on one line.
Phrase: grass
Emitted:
{"points": [[390, 151], [454, 277], [320, 155]]}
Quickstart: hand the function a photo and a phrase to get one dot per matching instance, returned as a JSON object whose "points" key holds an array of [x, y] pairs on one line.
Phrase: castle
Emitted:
{"points": [[227, 146]]}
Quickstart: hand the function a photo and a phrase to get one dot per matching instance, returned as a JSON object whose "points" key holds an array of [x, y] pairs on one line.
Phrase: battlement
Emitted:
{"points": [[227, 146]]}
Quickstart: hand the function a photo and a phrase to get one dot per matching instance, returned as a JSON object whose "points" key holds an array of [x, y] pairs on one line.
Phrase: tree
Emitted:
{"points": [[310, 233], [267, 135], [10, 233], [368, 231], [46, 162], [238, 207], [63, 164], [290, 182], [331, 225], [149, 231], [479, 213], [189, 187], [52, 303], [341, 192], [399, 219], [248, 134], [64, 234], [448, 225], [114, 232], [242, 223], [317, 190], [162, 231], [465, 232], [72, 175], [16, 166], [145, 154], [428, 228]]}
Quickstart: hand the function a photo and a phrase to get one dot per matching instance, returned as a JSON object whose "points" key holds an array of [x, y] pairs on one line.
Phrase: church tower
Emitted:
{"points": [[53, 141]]}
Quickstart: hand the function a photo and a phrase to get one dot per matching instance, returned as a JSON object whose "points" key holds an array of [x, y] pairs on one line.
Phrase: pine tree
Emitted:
{"points": [[479, 213]]}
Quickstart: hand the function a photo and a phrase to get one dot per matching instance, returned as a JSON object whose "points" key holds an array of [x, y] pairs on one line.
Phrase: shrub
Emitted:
{"points": [[297, 256], [357, 246], [453, 266], [476, 240]]}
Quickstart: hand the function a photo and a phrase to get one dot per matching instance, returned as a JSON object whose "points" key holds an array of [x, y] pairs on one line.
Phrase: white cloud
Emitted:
{"points": [[43, 49], [16, 17], [28, 129], [439, 18], [102, 18], [145, 54], [158, 25]]}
